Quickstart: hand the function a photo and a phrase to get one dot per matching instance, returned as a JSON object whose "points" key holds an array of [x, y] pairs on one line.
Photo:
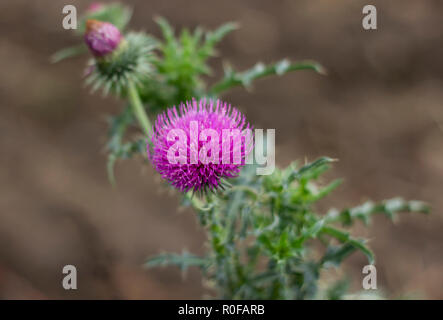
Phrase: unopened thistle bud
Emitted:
{"points": [[102, 38], [119, 60]]}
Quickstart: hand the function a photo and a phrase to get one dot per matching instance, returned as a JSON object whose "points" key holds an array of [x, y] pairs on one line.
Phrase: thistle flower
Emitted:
{"points": [[102, 38], [204, 155]]}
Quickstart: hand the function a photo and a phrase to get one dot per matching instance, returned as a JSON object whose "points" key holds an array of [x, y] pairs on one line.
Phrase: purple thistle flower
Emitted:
{"points": [[101, 37], [187, 163]]}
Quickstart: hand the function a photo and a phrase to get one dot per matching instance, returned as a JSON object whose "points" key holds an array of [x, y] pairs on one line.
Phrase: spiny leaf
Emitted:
{"points": [[308, 233], [116, 148], [365, 211], [325, 191], [232, 78], [311, 170], [123, 151], [218, 34], [68, 53], [184, 59], [167, 30], [118, 126], [214, 37], [344, 237], [335, 255]]}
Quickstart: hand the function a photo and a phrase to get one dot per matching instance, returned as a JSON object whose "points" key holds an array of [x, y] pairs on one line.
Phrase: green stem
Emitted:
{"points": [[137, 108], [197, 203]]}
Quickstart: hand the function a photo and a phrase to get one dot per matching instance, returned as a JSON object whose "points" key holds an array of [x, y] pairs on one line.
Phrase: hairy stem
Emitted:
{"points": [[139, 111]]}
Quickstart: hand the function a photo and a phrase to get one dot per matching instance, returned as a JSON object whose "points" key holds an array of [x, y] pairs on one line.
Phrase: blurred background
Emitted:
{"points": [[379, 110]]}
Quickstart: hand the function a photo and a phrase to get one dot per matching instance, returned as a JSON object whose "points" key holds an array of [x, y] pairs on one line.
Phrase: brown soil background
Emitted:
{"points": [[379, 111]]}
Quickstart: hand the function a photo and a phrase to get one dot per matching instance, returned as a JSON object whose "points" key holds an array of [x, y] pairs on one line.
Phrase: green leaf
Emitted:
{"points": [[69, 52], [325, 191], [232, 78], [184, 57], [311, 170], [365, 211], [335, 255], [124, 151], [167, 30], [344, 237], [118, 126], [116, 147], [308, 233], [214, 37], [310, 274]]}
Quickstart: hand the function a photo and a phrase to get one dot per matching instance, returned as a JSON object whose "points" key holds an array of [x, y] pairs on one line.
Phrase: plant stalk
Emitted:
{"points": [[139, 111]]}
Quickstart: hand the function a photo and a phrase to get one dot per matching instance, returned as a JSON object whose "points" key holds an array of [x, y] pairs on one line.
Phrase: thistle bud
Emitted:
{"points": [[101, 38]]}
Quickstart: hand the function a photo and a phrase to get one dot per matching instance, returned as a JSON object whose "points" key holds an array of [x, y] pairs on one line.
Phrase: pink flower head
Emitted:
{"points": [[201, 144], [101, 37]]}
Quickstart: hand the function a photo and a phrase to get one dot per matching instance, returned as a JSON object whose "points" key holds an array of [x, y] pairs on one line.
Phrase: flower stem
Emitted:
{"points": [[197, 203], [137, 108]]}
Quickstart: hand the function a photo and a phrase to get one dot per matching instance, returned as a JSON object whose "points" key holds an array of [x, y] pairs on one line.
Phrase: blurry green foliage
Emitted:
{"points": [[261, 231]]}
